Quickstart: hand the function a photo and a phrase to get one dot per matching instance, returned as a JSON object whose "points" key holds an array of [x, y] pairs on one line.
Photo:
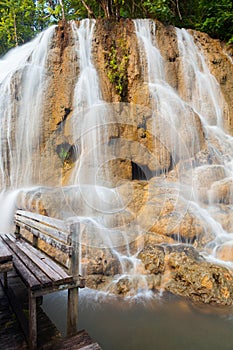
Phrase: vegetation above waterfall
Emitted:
{"points": [[22, 19]]}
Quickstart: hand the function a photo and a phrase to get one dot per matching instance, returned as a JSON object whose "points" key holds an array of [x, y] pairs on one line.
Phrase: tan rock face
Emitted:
{"points": [[153, 259], [204, 177], [225, 252], [199, 280], [222, 191], [220, 65], [114, 43]]}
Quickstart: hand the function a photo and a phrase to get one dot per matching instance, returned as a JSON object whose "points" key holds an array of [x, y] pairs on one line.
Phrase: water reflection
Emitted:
{"points": [[142, 323]]}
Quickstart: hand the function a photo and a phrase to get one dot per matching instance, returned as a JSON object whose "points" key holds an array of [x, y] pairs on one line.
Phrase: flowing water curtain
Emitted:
{"points": [[204, 94], [23, 86], [87, 96], [88, 126], [100, 208], [201, 88], [174, 121], [184, 121]]}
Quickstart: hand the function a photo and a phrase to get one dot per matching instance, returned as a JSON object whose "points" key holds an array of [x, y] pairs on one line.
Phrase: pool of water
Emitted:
{"points": [[146, 323]]}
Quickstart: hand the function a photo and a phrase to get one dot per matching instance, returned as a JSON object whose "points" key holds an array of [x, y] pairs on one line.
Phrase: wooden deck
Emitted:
{"points": [[11, 332]]}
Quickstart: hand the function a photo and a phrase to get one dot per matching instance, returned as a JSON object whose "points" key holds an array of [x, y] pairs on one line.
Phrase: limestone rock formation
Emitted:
{"points": [[161, 169], [199, 280]]}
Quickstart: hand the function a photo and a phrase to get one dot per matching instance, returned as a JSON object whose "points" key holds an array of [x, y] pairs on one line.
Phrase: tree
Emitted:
{"points": [[216, 18], [20, 20], [16, 23]]}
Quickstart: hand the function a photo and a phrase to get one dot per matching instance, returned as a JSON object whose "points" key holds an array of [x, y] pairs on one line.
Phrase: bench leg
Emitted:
{"points": [[72, 311], [32, 323], [5, 282]]}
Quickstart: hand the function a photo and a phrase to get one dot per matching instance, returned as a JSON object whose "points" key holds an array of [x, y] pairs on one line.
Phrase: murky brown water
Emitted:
{"points": [[167, 323]]}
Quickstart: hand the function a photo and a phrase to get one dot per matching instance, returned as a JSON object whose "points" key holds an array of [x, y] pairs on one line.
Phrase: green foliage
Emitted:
{"points": [[67, 153], [20, 20], [63, 154], [216, 18], [117, 63], [16, 23], [160, 9]]}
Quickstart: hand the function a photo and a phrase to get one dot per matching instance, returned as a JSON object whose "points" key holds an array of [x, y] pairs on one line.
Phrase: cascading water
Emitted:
{"points": [[181, 125], [205, 97], [201, 89], [174, 121], [23, 77], [200, 99], [90, 125]]}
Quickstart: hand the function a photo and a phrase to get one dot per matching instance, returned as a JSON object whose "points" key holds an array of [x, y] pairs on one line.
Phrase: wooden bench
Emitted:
{"points": [[46, 256], [6, 263]]}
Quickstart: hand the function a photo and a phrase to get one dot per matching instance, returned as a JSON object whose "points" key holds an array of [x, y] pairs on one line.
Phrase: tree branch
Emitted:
{"points": [[88, 8], [62, 10]]}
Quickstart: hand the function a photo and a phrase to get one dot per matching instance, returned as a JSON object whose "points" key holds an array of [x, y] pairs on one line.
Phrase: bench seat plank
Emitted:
{"points": [[40, 277], [38, 263], [29, 279], [5, 254], [48, 261], [41, 264]]}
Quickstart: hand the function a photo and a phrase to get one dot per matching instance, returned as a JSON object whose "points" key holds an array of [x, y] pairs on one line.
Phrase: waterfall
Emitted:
{"points": [[23, 78], [175, 123], [186, 124], [200, 99], [201, 88], [90, 183]]}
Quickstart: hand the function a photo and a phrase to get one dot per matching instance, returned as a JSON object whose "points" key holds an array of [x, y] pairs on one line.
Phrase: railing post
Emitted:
{"points": [[17, 231], [72, 304]]}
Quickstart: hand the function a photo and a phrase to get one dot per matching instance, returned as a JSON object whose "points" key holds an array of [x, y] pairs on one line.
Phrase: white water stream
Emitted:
{"points": [[23, 77], [90, 126], [201, 96]]}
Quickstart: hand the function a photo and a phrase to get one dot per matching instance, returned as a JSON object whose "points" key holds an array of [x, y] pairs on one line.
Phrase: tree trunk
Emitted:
{"points": [[63, 11], [178, 9], [107, 7], [15, 32]]}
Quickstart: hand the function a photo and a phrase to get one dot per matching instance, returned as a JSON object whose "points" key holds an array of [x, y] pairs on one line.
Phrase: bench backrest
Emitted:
{"points": [[57, 238]]}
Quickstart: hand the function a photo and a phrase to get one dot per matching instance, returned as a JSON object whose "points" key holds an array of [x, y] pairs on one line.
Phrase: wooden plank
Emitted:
{"points": [[94, 346], [80, 340], [42, 278], [41, 263], [40, 226], [54, 288], [28, 278], [56, 223], [38, 266], [5, 254], [48, 261], [30, 273], [66, 249]]}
